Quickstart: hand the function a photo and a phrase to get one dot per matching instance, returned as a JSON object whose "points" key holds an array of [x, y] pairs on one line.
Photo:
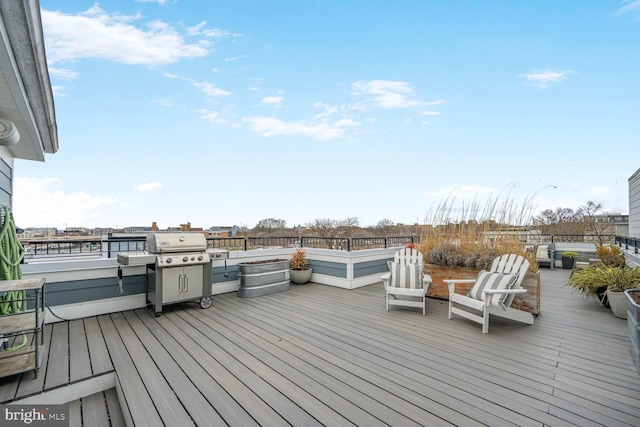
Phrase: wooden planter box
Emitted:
{"points": [[529, 302]]}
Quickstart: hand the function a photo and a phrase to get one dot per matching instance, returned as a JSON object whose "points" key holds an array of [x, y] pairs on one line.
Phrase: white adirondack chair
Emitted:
{"points": [[492, 293], [406, 278]]}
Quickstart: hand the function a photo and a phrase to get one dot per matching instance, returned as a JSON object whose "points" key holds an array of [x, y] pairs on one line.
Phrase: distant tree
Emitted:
{"points": [[584, 221], [270, 226], [332, 228], [601, 230], [348, 226], [324, 227], [558, 221], [385, 227]]}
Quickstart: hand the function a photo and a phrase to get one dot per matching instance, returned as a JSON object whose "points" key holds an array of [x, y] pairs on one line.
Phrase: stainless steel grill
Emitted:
{"points": [[178, 268]]}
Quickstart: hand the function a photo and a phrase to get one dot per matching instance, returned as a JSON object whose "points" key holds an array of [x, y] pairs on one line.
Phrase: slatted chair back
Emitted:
{"points": [[408, 256], [511, 264]]}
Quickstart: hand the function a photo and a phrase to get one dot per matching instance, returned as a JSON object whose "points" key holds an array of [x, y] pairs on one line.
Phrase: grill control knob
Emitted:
{"points": [[169, 260], [185, 259], [200, 257]]}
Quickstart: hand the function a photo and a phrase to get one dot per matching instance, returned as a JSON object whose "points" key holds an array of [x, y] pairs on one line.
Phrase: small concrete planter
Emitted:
{"points": [[633, 322], [259, 278], [617, 302], [300, 277]]}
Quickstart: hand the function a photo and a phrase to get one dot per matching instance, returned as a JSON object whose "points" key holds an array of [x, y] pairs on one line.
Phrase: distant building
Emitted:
{"points": [[38, 232], [223, 231], [619, 223], [137, 229]]}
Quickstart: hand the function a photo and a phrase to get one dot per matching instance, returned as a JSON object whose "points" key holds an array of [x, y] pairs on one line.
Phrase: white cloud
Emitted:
{"points": [[387, 94], [63, 73], [208, 32], [42, 202], [160, 2], [629, 6], [210, 89], [165, 102], [147, 187], [58, 90], [544, 78], [207, 88], [213, 117], [268, 126], [235, 58], [98, 34], [273, 100]]}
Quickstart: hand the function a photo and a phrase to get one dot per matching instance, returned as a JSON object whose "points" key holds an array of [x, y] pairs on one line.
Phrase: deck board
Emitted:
{"points": [[78, 352], [138, 404], [164, 399], [98, 353], [197, 406], [116, 418], [94, 411], [213, 374], [58, 369], [27, 384]]}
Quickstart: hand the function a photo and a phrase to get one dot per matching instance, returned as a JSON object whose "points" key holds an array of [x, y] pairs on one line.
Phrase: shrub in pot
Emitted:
{"points": [[569, 259], [300, 271], [616, 280]]}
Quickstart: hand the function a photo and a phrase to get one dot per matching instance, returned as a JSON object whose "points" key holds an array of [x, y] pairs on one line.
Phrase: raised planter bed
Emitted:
{"points": [[529, 302], [259, 278]]}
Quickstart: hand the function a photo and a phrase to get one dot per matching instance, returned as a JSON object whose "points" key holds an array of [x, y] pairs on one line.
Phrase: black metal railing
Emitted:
{"points": [[110, 246], [36, 248], [628, 243], [571, 238]]}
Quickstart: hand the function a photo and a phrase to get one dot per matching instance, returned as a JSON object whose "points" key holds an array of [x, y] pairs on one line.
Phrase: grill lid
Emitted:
{"points": [[165, 242]]}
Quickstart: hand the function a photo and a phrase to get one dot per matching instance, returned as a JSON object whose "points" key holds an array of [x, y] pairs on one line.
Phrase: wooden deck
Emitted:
{"points": [[317, 355]]}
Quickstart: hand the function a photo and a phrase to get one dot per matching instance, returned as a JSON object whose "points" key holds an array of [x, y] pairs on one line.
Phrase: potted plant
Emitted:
{"points": [[569, 259], [615, 279], [300, 271]]}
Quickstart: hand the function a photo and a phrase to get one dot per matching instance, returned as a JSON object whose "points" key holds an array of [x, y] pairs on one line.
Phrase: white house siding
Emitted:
{"points": [[634, 204], [6, 177]]}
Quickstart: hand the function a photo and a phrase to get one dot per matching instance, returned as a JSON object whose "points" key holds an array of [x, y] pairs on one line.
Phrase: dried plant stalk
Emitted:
{"points": [[472, 235]]}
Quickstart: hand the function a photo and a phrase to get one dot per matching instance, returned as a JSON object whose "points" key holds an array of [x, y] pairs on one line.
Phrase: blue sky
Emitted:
{"points": [[229, 112]]}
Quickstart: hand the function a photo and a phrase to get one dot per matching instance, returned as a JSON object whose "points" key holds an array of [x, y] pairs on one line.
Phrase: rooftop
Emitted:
{"points": [[322, 355]]}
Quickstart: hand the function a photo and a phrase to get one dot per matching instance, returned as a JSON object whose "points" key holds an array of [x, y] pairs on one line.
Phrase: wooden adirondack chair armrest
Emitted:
{"points": [[447, 281], [386, 279], [451, 283], [505, 291]]}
